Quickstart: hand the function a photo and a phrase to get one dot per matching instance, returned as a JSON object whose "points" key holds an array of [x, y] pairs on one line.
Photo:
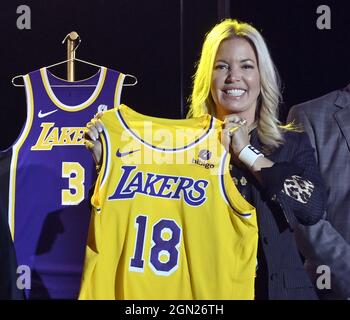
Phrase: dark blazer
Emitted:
{"points": [[279, 207], [8, 263], [8, 260], [327, 122]]}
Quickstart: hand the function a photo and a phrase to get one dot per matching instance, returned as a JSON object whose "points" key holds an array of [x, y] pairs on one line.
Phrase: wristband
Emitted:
{"points": [[249, 154]]}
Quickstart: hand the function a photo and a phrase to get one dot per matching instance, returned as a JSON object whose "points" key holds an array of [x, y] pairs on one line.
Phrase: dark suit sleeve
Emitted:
{"points": [[294, 181], [322, 244]]}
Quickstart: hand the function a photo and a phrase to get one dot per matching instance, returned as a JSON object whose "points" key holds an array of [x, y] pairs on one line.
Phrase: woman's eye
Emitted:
{"points": [[221, 67], [247, 66]]}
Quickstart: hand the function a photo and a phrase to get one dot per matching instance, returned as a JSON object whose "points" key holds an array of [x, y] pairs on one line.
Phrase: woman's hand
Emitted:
{"points": [[235, 133], [92, 136], [236, 136]]}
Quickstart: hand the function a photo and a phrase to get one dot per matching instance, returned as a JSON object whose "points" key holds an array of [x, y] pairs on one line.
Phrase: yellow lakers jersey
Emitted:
{"points": [[167, 220]]}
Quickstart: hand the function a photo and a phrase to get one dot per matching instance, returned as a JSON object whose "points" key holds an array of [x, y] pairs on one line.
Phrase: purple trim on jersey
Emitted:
{"points": [[222, 185], [164, 149], [50, 237]]}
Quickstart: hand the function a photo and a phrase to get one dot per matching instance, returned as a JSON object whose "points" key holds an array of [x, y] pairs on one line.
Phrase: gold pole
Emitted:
{"points": [[71, 46]]}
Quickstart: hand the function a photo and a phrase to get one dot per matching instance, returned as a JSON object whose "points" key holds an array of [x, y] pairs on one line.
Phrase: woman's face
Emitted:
{"points": [[235, 85]]}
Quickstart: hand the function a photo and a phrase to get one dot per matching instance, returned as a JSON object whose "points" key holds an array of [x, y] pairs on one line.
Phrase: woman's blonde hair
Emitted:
{"points": [[201, 102]]}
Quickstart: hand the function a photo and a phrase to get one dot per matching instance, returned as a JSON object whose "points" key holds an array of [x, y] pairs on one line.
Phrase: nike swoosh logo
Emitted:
{"points": [[45, 114], [123, 154]]}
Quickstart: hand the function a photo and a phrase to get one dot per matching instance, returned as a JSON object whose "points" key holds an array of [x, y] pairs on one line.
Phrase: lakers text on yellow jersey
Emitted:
{"points": [[167, 220]]}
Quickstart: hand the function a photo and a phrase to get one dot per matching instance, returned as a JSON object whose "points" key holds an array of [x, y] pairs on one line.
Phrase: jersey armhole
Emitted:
{"points": [[96, 199], [118, 89], [16, 145], [230, 192]]}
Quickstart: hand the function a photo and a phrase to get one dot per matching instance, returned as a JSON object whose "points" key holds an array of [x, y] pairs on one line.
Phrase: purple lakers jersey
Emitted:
{"points": [[51, 173]]}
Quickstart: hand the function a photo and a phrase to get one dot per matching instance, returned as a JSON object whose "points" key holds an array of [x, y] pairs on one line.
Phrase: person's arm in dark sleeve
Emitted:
{"points": [[321, 243], [296, 184]]}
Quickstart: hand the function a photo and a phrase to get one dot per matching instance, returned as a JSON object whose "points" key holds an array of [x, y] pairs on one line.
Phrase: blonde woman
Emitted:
{"points": [[272, 165]]}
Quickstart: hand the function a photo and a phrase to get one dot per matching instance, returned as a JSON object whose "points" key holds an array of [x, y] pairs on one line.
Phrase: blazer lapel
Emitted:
{"points": [[343, 115]]}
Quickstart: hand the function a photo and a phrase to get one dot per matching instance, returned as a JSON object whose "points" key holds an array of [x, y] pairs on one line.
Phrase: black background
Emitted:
{"points": [[159, 42]]}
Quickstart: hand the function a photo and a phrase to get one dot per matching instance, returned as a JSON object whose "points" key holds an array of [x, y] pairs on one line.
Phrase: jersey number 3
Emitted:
{"points": [[164, 253], [76, 177]]}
